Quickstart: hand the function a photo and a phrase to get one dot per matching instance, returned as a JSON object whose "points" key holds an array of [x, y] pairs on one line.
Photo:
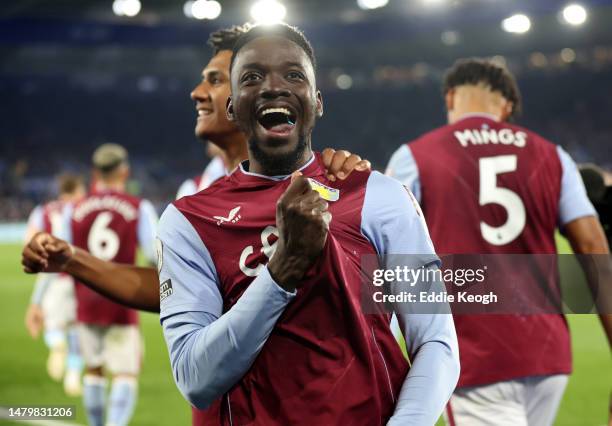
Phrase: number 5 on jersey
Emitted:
{"points": [[490, 167]]}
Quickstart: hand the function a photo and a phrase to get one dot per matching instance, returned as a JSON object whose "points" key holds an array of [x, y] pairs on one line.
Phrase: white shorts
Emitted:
{"points": [[530, 401], [59, 303], [117, 348]]}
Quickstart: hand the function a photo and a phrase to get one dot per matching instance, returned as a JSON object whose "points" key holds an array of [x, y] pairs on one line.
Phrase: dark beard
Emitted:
{"points": [[282, 164]]}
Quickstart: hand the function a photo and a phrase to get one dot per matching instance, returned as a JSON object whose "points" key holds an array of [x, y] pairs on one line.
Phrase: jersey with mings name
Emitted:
{"points": [[488, 187], [105, 224], [325, 361]]}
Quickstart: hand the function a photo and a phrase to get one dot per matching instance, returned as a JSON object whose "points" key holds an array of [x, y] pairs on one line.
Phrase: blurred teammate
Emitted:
{"points": [[600, 195], [260, 275], [487, 186], [53, 305], [110, 225], [215, 170]]}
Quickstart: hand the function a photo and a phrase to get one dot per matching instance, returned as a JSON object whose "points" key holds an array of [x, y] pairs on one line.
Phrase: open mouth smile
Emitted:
{"points": [[277, 122]]}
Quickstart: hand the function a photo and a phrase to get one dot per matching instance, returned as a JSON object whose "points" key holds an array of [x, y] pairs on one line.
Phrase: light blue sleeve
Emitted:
{"points": [[40, 287], [393, 222], [209, 350], [573, 201], [35, 220], [66, 227], [187, 188], [403, 167], [147, 229]]}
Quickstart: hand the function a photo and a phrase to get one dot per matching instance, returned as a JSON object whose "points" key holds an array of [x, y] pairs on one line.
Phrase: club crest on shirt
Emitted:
{"points": [[327, 193], [232, 217]]}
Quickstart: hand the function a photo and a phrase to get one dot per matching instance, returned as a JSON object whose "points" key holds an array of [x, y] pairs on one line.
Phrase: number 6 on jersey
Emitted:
{"points": [[102, 241]]}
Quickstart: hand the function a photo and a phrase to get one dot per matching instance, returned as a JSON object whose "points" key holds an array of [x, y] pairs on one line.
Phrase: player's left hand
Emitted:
{"points": [[340, 164]]}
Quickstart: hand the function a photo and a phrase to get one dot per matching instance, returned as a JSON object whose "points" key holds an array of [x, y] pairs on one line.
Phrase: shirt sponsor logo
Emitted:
{"points": [[165, 290], [232, 217], [327, 193]]}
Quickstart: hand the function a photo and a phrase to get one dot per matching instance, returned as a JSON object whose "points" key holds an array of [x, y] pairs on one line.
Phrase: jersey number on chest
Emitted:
{"points": [[267, 249]]}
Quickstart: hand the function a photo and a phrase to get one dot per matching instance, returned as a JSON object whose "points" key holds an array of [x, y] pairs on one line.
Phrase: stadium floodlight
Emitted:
{"points": [[344, 81], [574, 14], [203, 9], [371, 4], [568, 55], [450, 38], [268, 12], [517, 24], [214, 9], [129, 8], [187, 7], [118, 7]]}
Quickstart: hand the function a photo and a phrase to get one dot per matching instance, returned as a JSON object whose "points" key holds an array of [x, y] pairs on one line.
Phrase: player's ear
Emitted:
{"points": [[319, 104], [229, 109], [507, 109], [449, 99]]}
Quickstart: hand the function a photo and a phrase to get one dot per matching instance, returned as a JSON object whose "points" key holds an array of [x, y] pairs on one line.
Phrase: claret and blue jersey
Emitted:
{"points": [[496, 188], [245, 350]]}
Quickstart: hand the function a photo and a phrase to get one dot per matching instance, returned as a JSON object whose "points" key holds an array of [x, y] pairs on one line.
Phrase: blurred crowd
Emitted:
{"points": [[570, 108]]}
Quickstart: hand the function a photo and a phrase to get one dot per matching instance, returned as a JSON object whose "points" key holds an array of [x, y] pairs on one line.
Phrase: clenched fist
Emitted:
{"points": [[46, 253], [303, 221]]}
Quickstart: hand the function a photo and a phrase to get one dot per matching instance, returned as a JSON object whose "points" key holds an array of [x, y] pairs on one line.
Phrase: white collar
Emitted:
{"points": [[277, 178]]}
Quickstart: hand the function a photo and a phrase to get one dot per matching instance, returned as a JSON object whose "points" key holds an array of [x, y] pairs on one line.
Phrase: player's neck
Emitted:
{"points": [[118, 186], [474, 100], [280, 167], [234, 147]]}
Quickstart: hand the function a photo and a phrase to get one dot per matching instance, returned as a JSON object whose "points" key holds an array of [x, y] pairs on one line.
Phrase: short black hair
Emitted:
{"points": [[224, 39], [473, 71], [287, 31]]}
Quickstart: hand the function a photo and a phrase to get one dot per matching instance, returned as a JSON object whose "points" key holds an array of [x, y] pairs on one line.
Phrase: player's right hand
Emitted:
{"points": [[303, 221], [45, 253], [34, 320]]}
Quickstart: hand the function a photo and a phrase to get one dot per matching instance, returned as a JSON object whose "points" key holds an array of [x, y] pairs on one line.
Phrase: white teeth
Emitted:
{"points": [[273, 110]]}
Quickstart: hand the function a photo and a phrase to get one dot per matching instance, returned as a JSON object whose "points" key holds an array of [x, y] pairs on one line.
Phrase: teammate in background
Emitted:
{"points": [[600, 195], [216, 169], [53, 305], [138, 287], [260, 275], [110, 225], [487, 186]]}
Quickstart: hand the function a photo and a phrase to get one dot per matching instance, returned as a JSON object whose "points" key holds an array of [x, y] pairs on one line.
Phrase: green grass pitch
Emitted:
{"points": [[23, 378]]}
